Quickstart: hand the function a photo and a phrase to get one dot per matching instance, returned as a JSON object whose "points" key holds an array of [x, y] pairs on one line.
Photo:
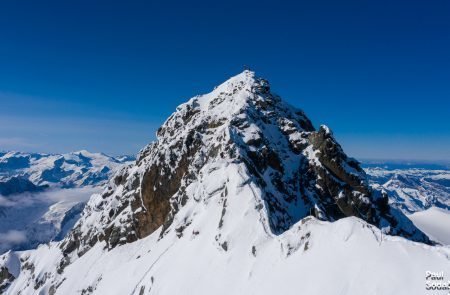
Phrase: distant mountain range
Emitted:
{"points": [[22, 172], [412, 188], [405, 164]]}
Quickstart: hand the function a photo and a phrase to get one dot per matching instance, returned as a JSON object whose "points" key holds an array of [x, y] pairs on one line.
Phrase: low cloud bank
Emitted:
{"points": [[22, 212], [50, 196], [11, 238]]}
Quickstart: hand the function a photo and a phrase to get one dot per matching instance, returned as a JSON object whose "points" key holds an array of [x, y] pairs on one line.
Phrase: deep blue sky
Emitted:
{"points": [[103, 76]]}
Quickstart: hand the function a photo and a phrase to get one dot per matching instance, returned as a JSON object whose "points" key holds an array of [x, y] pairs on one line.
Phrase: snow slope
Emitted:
{"points": [[435, 222], [345, 257], [239, 195]]}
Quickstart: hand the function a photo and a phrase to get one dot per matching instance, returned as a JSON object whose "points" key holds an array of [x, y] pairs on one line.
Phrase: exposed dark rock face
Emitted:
{"points": [[157, 189], [300, 171], [341, 176], [5, 278]]}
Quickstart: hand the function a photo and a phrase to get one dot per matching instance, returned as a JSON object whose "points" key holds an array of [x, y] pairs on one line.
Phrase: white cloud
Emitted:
{"points": [[5, 202], [12, 237], [18, 212], [81, 194], [49, 197]]}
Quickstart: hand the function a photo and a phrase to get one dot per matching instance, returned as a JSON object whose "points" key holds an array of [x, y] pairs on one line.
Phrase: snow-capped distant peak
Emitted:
{"points": [[412, 189], [68, 170]]}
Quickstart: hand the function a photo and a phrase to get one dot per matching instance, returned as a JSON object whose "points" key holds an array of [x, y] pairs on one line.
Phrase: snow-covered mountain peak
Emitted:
{"points": [[244, 82], [234, 175], [243, 101], [229, 99], [240, 131]]}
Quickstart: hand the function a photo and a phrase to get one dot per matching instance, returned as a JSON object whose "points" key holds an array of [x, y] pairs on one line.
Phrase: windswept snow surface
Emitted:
{"points": [[435, 222]]}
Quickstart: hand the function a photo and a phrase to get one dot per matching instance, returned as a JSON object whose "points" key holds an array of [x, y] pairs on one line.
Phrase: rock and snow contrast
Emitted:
{"points": [[239, 194], [42, 195]]}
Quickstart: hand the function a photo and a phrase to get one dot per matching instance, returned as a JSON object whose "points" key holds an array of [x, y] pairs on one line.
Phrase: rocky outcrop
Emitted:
{"points": [[5, 278], [9, 269]]}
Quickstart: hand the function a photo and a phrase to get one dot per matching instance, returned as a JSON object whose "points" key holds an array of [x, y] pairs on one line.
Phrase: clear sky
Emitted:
{"points": [[103, 75]]}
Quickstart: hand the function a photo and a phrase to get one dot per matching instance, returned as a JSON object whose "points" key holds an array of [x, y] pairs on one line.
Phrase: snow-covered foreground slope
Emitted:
{"points": [[239, 194], [345, 257], [435, 222]]}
